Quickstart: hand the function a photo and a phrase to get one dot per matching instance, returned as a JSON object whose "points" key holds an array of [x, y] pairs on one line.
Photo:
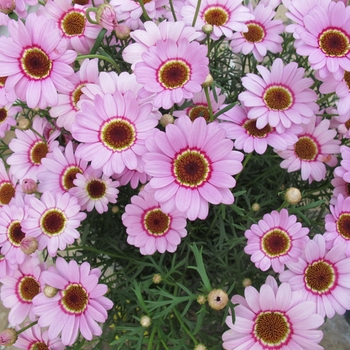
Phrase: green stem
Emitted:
{"points": [[87, 14], [184, 327], [26, 327], [196, 13], [172, 9], [210, 108], [101, 57], [246, 160], [151, 338], [144, 12]]}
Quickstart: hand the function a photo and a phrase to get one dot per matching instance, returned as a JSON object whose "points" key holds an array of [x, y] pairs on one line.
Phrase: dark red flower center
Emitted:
{"points": [[343, 225], [334, 42], [15, 233], [96, 189], [278, 98], [28, 287], [174, 74], [320, 277], [156, 222], [7, 192], [36, 63], [306, 148], [276, 243], [255, 33], [53, 222], [199, 111], [73, 23], [216, 16], [252, 130], [75, 299]]}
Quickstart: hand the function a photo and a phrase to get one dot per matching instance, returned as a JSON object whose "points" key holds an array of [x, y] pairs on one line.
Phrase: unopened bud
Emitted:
{"points": [[292, 195], [208, 81], [145, 321], [24, 123], [201, 299], [49, 291], [200, 347], [217, 299], [207, 29], [7, 6], [157, 278], [166, 119], [8, 337], [247, 282], [256, 207], [29, 186], [115, 209], [29, 245], [122, 32], [106, 17]]}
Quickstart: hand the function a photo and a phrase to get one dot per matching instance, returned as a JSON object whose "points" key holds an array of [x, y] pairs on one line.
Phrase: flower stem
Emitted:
{"points": [[150, 342], [210, 108], [183, 326], [172, 9], [26, 327], [101, 57], [87, 14], [196, 13], [144, 11], [246, 160]]}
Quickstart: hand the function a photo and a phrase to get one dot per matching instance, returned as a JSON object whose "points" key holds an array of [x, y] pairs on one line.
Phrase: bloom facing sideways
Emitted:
{"points": [[277, 239], [78, 305], [192, 164], [273, 319], [149, 228], [321, 276]]}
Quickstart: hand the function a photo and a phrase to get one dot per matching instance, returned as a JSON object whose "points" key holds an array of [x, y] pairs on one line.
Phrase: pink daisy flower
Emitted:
{"points": [[112, 130], [78, 305], [7, 269], [73, 24], [67, 106], [192, 164], [225, 16], [6, 96], [148, 37], [8, 184], [53, 221], [173, 70], [249, 138], [263, 34], [17, 292], [149, 228], [280, 98], [60, 170], [321, 276], [7, 114], [273, 319], [277, 239], [37, 338], [132, 177], [36, 66], [94, 190], [315, 148], [326, 39], [29, 149]]}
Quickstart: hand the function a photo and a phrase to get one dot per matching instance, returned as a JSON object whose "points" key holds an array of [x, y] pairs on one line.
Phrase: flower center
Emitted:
{"points": [[73, 23], [306, 148], [252, 130], [272, 328], [118, 134], [255, 33], [191, 168], [334, 43], [75, 299], [199, 111], [53, 222], [278, 98], [3, 115], [96, 189], [156, 222], [81, 2], [320, 277], [2, 81], [216, 16], [36, 64], [15, 233], [174, 74], [38, 346], [38, 151], [276, 243], [346, 78], [7, 192], [76, 94], [347, 123], [343, 225], [69, 176], [27, 288]]}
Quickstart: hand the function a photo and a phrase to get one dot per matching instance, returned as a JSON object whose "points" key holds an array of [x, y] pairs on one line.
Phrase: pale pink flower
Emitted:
{"points": [[192, 164], [112, 130], [106, 17], [53, 221], [78, 305], [149, 228], [340, 187], [22, 6], [263, 34], [29, 149], [341, 180], [225, 16], [173, 70], [326, 39], [280, 98], [132, 177], [7, 114], [6, 96], [7, 269], [273, 319], [249, 138], [315, 148], [17, 292], [8, 184], [321, 276], [36, 66]]}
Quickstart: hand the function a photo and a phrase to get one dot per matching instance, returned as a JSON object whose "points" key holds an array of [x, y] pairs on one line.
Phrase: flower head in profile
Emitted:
{"points": [[149, 228], [36, 66], [277, 239], [281, 98], [273, 319], [321, 276], [79, 304], [191, 165]]}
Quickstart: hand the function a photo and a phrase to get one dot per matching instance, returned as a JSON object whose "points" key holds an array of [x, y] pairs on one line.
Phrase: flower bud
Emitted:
{"points": [[217, 299], [7, 6], [49, 291], [8, 337], [200, 347], [247, 282], [166, 119], [145, 321], [24, 123], [122, 32], [157, 278], [29, 245], [207, 29], [106, 17], [115, 209], [29, 186], [208, 81], [201, 299], [255, 207], [292, 195]]}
